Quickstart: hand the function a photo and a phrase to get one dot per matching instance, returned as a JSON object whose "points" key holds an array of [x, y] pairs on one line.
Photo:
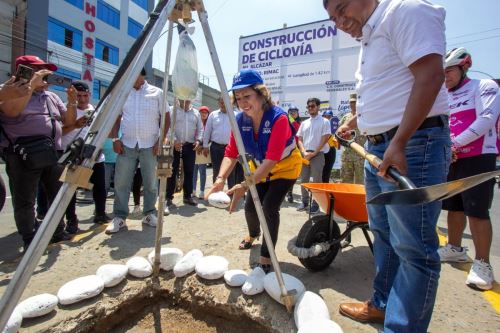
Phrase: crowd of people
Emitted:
{"points": [[431, 123]]}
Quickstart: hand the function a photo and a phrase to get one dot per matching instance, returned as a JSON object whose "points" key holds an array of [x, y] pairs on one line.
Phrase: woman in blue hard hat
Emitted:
{"points": [[275, 161]]}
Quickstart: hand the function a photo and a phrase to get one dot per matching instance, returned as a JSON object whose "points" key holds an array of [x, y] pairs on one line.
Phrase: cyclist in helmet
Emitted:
{"points": [[474, 110]]}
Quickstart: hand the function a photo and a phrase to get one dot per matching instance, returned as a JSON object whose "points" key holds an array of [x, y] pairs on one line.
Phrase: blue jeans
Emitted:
{"points": [[405, 243], [203, 176], [125, 166]]}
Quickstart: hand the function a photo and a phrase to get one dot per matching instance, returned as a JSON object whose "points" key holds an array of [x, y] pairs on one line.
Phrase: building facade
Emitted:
{"points": [[86, 39]]}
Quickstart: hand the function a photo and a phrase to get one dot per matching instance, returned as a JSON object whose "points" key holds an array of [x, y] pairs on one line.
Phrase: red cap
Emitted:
{"points": [[34, 60], [204, 109]]}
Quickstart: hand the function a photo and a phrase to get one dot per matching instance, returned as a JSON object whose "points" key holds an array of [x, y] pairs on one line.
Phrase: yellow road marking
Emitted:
{"points": [[492, 295], [97, 230]]}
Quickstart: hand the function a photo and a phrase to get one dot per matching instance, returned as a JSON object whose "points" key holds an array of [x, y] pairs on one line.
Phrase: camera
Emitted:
{"points": [[58, 80], [23, 72]]}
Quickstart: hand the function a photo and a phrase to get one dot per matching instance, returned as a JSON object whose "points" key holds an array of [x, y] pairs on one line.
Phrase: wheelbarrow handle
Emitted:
{"points": [[404, 182]]}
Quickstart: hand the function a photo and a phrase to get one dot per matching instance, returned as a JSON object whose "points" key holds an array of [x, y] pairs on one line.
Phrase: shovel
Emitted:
{"points": [[409, 194]]}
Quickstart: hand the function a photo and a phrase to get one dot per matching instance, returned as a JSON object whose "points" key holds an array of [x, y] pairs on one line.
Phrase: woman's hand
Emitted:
{"points": [[238, 191], [216, 187]]}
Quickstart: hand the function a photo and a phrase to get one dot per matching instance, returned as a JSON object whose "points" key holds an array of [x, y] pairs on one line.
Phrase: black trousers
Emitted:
{"points": [[98, 194], [23, 184], [136, 187], [188, 158], [329, 162], [217, 155], [271, 195]]}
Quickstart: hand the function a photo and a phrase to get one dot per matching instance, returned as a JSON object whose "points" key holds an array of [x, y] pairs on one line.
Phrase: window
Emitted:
{"points": [[134, 28], [67, 73], [99, 89], [64, 34], [108, 14], [76, 3], [106, 52], [142, 3]]}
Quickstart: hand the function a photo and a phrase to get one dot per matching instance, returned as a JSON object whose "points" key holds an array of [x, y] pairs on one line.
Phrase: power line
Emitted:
{"points": [[474, 33], [474, 40]]}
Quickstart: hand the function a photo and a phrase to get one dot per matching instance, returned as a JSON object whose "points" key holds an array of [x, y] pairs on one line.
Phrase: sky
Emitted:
{"points": [[474, 25]]}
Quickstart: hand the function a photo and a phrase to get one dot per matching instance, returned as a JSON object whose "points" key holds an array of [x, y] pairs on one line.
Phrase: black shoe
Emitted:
{"points": [[60, 237], [71, 229], [101, 219], [72, 226], [265, 267], [190, 201]]}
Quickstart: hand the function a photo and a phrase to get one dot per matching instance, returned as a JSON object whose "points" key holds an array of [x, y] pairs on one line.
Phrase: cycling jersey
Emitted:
{"points": [[474, 111]]}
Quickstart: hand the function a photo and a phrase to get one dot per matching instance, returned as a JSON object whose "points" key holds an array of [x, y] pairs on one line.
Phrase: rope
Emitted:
{"points": [[304, 252]]}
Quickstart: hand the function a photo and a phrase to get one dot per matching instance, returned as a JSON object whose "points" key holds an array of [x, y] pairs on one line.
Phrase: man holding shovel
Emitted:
{"points": [[402, 109]]}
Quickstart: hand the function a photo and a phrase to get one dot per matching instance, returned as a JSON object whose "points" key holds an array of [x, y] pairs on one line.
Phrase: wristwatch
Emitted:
{"points": [[115, 139]]}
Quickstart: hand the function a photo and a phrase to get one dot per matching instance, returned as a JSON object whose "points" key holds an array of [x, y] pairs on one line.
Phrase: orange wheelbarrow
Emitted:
{"points": [[349, 202]]}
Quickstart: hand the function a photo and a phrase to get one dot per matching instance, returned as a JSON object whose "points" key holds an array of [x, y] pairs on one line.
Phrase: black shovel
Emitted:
{"points": [[409, 194]]}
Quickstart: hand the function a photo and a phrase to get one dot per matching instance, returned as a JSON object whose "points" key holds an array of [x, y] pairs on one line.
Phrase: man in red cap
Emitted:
{"points": [[40, 113]]}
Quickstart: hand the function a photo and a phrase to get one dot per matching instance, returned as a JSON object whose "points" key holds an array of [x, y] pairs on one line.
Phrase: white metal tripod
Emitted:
{"points": [[107, 112]]}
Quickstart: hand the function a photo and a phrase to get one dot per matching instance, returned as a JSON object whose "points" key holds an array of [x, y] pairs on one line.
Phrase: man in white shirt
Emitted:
{"points": [[83, 114], [188, 137], [215, 140], [402, 109], [139, 126], [313, 135]]}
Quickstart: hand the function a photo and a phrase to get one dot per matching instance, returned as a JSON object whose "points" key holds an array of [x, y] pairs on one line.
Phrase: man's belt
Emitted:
{"points": [[219, 144], [436, 121]]}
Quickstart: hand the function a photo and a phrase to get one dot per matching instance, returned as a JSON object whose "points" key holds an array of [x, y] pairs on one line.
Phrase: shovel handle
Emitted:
{"points": [[403, 182]]}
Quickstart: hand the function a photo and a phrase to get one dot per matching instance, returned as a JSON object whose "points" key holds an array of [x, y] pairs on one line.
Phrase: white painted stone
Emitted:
{"points": [[310, 306], [14, 323], [255, 282], [112, 274], [320, 326], [79, 289], [38, 305], [273, 289], [235, 277], [187, 263], [219, 199], [211, 267], [169, 256], [139, 267]]}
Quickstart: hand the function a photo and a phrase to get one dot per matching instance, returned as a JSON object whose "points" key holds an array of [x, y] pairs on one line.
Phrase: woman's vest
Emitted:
{"points": [[290, 164]]}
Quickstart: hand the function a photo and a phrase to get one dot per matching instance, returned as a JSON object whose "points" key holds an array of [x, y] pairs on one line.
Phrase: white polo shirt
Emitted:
{"points": [[141, 116], [312, 130], [398, 33]]}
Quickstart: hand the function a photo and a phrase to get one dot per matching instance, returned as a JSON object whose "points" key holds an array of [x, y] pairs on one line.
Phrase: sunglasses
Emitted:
{"points": [[310, 106]]}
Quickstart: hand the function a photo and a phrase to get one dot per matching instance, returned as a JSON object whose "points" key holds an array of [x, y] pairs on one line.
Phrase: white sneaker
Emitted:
{"points": [[137, 210], [302, 207], [150, 219], [449, 254], [480, 275], [115, 225], [166, 210], [202, 195]]}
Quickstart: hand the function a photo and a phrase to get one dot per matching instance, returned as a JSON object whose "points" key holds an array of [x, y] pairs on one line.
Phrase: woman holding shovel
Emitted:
{"points": [[275, 160]]}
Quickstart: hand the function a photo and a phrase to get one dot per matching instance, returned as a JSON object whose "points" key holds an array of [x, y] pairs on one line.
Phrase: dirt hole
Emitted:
{"points": [[167, 313]]}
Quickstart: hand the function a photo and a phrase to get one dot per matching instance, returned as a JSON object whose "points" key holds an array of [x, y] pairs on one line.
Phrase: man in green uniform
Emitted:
{"points": [[352, 170]]}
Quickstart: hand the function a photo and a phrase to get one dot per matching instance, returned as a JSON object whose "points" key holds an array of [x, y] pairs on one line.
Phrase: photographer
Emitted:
{"points": [[12, 89], [30, 123]]}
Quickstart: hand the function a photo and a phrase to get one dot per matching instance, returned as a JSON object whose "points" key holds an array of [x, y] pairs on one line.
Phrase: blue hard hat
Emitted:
{"points": [[328, 113], [246, 78]]}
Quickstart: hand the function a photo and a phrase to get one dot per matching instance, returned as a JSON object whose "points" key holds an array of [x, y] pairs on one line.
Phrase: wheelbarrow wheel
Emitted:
{"points": [[314, 231]]}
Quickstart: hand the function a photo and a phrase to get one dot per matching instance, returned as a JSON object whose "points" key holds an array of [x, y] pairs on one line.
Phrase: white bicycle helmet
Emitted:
{"points": [[457, 57]]}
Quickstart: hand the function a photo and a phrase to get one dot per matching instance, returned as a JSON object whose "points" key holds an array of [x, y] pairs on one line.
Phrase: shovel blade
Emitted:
{"points": [[431, 193]]}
